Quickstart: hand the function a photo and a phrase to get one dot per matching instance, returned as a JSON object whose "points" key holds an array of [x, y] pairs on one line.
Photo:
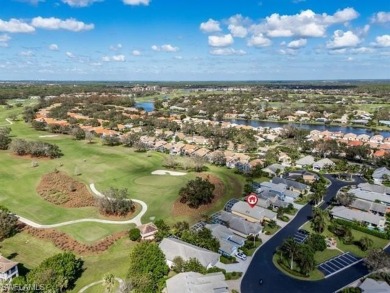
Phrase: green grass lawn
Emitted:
{"points": [[377, 242], [321, 256], [270, 231]]}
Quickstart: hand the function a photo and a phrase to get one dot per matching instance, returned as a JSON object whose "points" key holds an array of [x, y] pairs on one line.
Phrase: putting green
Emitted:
{"points": [[159, 180]]}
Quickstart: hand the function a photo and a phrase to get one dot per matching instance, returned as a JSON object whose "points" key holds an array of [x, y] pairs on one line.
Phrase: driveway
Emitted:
{"points": [[274, 280]]}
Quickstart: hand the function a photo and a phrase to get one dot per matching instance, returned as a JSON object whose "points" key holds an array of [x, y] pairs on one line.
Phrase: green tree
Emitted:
{"points": [[178, 264], [163, 230], [134, 234], [78, 133], [305, 259], [290, 249], [57, 273], [115, 202], [197, 192], [316, 242], [147, 268], [193, 265], [365, 243], [109, 282], [318, 221], [377, 259], [8, 223]]}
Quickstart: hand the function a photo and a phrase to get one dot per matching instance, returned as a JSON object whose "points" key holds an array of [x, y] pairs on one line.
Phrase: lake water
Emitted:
{"points": [[148, 106]]}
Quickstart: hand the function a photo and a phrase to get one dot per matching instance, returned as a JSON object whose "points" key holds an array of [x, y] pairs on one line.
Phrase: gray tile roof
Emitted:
{"points": [[273, 168], [370, 196], [239, 225], [351, 215], [290, 183], [172, 248], [374, 188], [380, 172], [372, 286], [197, 283], [256, 212], [305, 161], [228, 242], [361, 205]]}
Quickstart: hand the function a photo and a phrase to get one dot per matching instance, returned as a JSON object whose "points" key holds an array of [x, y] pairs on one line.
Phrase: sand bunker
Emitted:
{"points": [[165, 172]]}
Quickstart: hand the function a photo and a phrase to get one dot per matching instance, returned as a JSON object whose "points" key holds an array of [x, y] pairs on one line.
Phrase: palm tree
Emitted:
{"points": [[365, 243], [316, 197], [318, 221], [290, 248], [306, 260], [109, 282]]}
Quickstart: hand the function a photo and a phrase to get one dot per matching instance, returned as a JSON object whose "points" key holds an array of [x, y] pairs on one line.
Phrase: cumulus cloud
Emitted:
{"points": [[305, 24], [53, 47], [165, 48], [136, 2], [53, 23], [259, 41], [221, 41], [226, 52], [296, 44], [237, 26], [381, 17], [136, 53], [70, 55], [27, 53], [382, 41], [15, 26], [80, 3], [115, 58], [210, 26], [4, 39], [343, 39]]}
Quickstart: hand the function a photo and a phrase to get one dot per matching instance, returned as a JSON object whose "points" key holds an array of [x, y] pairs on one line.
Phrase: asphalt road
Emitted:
{"points": [[275, 281]]}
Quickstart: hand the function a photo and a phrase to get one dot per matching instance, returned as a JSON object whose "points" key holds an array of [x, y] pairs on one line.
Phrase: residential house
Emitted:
{"points": [[159, 145], [254, 215], [172, 247], [284, 159], [202, 152], [176, 148], [370, 195], [377, 138], [380, 174], [240, 226], [228, 241], [191, 282], [367, 206], [305, 161], [189, 149], [374, 286], [373, 220], [307, 176], [292, 185], [363, 137], [148, 231], [281, 190], [274, 169], [8, 269], [350, 136], [322, 164]]}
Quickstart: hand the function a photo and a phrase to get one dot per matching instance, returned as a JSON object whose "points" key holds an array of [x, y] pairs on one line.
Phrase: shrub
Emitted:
{"points": [[134, 234]]}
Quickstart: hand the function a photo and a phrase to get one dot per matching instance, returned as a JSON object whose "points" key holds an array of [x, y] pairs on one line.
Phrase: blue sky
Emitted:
{"points": [[194, 39]]}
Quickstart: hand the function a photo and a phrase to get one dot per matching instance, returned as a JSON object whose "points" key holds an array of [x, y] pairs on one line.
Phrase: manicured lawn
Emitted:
{"points": [[377, 242], [321, 256], [269, 230], [89, 233]]}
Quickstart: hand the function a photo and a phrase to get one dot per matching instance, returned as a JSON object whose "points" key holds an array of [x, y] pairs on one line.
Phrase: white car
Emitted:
{"points": [[241, 255]]}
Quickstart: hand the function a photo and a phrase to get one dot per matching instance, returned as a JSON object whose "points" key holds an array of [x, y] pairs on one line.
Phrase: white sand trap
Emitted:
{"points": [[165, 172], [50, 135]]}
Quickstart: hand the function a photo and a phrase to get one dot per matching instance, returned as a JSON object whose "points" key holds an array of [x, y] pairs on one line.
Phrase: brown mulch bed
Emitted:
{"points": [[61, 189], [180, 209], [67, 243]]}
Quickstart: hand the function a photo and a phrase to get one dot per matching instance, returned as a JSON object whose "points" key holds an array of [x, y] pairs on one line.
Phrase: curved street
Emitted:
{"points": [[274, 280]]}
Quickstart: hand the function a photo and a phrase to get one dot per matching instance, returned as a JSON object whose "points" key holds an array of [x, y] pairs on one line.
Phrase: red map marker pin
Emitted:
{"points": [[252, 200]]}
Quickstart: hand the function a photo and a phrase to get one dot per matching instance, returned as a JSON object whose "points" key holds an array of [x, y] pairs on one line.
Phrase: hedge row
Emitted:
{"points": [[356, 226]]}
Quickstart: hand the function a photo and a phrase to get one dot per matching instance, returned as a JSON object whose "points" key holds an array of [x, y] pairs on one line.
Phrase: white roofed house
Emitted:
{"points": [[228, 241], [305, 161], [363, 137], [254, 215], [274, 169], [371, 219], [240, 226], [323, 164], [172, 248], [8, 269], [380, 174], [377, 138], [284, 159], [191, 282]]}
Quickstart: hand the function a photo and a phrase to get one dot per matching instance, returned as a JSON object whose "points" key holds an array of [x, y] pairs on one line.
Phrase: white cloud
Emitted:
{"points": [[136, 2], [116, 47], [53, 47], [15, 26], [210, 26], [362, 50], [136, 53], [238, 31], [296, 44], [178, 57], [259, 41], [382, 41], [165, 48], [221, 41], [343, 39], [53, 23], [115, 58], [227, 51], [305, 24], [27, 53], [4, 39], [80, 3], [288, 51], [70, 55], [381, 17]]}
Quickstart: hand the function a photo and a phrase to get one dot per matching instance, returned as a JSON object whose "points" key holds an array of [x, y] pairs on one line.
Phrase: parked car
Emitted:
{"points": [[241, 255]]}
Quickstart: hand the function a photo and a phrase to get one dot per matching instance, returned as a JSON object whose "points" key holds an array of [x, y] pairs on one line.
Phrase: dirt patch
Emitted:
{"points": [[67, 243], [61, 189], [180, 209]]}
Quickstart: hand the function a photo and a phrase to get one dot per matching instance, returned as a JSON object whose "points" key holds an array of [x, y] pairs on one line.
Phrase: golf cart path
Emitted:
{"points": [[136, 220], [120, 281], [9, 122]]}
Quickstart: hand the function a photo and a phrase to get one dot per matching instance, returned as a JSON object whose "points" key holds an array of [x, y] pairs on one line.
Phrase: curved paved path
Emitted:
{"points": [[274, 281], [136, 220], [120, 281]]}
